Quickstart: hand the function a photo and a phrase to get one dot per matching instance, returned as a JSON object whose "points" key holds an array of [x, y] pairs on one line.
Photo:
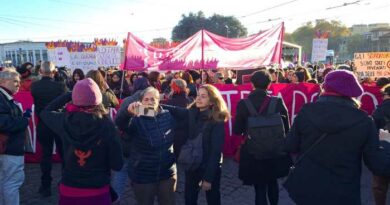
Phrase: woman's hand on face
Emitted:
{"points": [[133, 108]]}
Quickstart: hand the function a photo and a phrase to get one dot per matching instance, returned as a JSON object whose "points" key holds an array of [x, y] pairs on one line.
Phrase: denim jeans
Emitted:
{"points": [[11, 178], [120, 179]]}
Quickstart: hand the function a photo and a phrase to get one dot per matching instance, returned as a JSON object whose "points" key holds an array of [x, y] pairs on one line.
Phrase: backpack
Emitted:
{"points": [[265, 132], [191, 153]]}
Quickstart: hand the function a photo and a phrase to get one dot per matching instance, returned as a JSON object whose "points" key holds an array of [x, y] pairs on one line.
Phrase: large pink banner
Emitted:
{"points": [[294, 96], [205, 50]]}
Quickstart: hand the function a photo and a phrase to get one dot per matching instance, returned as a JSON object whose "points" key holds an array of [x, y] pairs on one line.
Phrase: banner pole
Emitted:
{"points": [[124, 67], [123, 78], [202, 49]]}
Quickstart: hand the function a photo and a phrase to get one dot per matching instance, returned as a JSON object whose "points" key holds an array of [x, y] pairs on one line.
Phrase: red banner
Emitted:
{"points": [[294, 96], [206, 50]]}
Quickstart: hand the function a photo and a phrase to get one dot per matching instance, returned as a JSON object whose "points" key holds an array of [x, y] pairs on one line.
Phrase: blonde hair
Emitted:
{"points": [[219, 110], [150, 90]]}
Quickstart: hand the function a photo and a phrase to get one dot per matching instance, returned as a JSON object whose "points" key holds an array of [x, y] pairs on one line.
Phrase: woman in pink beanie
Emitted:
{"points": [[90, 142], [332, 137]]}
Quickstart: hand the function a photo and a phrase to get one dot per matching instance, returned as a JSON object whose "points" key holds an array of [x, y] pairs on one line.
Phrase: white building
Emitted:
{"points": [[23, 51]]}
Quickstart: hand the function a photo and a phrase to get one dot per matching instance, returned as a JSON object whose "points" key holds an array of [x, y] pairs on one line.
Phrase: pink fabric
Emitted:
{"points": [[79, 192], [208, 51]]}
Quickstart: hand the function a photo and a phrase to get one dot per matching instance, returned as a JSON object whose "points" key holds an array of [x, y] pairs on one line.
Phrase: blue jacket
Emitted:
{"points": [[151, 146]]}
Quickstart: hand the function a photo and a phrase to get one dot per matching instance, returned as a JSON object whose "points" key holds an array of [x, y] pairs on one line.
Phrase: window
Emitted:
{"points": [[30, 56], [24, 57], [13, 55], [18, 57], [37, 56], [44, 55]]}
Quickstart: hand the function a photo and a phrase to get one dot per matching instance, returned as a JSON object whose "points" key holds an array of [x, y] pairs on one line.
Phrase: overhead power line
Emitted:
{"points": [[344, 5], [269, 8]]}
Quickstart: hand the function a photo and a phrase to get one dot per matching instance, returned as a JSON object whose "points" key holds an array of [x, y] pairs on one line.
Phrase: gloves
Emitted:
{"points": [[27, 113]]}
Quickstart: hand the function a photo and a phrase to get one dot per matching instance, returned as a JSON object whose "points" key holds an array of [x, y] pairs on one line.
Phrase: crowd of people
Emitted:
{"points": [[175, 120]]}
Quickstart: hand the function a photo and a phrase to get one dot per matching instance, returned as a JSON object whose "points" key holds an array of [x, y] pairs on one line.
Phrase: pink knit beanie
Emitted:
{"points": [[86, 93]]}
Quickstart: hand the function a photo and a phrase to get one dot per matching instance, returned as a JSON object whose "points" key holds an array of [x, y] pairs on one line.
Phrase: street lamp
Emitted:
{"points": [[227, 31]]}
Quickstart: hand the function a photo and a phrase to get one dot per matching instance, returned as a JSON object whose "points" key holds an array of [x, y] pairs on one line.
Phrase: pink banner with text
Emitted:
{"points": [[294, 96]]}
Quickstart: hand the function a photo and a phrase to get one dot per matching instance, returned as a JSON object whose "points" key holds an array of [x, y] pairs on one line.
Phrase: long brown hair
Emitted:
{"points": [[97, 76], [219, 111]]}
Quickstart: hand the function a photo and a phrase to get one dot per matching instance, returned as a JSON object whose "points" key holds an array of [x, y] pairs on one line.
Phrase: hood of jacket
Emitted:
{"points": [[333, 114], [83, 129]]}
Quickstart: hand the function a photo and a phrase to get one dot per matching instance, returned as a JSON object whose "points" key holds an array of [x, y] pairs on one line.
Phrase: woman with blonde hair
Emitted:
{"points": [[206, 118]]}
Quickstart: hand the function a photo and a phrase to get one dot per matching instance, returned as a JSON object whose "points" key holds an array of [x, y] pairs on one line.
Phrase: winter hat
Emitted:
{"points": [[343, 82], [140, 84], [86, 93]]}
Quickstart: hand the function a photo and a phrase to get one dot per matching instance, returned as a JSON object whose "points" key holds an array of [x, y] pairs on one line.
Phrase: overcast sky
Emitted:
{"points": [[44, 20]]}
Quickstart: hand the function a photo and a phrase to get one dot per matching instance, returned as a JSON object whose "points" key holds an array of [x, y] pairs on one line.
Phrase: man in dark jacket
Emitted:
{"points": [[13, 127], [44, 91], [259, 173], [382, 120], [330, 172]]}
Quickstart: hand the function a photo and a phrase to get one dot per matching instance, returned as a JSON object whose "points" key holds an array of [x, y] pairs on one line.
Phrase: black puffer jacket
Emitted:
{"points": [[151, 156], [330, 173]]}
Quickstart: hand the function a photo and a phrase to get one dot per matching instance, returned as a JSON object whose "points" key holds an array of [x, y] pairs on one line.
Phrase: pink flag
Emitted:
{"points": [[205, 50]]}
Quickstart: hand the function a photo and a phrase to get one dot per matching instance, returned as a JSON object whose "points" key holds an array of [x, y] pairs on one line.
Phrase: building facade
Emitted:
{"points": [[17, 53]]}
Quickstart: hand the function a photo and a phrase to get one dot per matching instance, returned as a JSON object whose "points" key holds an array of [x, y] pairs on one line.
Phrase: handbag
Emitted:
{"points": [[191, 153], [3, 143], [289, 182]]}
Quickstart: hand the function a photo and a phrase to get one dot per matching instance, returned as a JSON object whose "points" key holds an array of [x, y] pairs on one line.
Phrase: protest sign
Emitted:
{"points": [[318, 53], [84, 60], [108, 56], [60, 56], [375, 64]]}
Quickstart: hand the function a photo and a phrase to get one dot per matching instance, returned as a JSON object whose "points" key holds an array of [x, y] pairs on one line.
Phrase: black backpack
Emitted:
{"points": [[265, 132]]}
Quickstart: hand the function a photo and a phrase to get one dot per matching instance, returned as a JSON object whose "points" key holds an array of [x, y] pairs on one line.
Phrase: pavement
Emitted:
{"points": [[232, 190]]}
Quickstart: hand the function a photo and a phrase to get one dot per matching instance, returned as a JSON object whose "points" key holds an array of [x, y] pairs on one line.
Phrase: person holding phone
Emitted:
{"points": [[151, 166]]}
